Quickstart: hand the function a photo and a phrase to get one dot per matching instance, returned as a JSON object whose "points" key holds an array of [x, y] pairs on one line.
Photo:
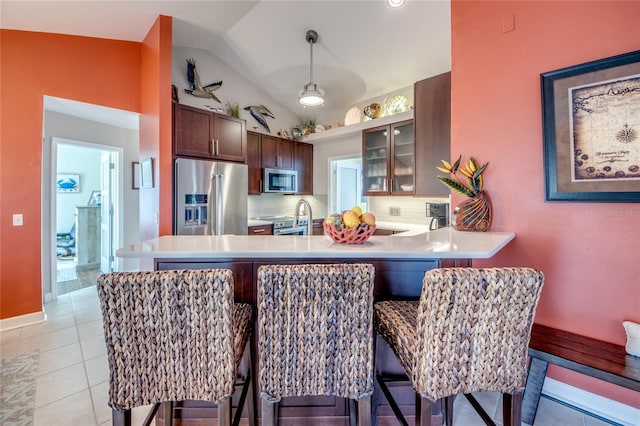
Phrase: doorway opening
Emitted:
{"points": [[84, 218], [110, 137], [345, 183]]}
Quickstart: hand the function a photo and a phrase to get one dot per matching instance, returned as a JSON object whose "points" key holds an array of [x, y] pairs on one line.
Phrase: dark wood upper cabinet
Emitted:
{"points": [[388, 159], [432, 115], [304, 165], [274, 152], [254, 153], [205, 134], [277, 152]]}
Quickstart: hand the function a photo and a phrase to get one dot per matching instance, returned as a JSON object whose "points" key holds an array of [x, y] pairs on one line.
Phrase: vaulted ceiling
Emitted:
{"points": [[365, 48]]}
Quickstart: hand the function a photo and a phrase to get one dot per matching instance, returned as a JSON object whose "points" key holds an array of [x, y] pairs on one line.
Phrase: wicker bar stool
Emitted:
{"points": [[315, 335], [469, 332], [175, 336]]}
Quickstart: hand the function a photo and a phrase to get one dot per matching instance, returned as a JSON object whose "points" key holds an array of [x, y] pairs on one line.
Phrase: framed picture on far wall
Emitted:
{"points": [[135, 175], [591, 129], [146, 173], [67, 183]]}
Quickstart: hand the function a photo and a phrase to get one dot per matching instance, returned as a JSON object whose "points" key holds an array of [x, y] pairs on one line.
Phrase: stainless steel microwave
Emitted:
{"points": [[277, 180]]}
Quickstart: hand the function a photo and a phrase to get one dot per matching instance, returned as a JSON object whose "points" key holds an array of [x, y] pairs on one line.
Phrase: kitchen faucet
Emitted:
{"points": [[296, 214]]}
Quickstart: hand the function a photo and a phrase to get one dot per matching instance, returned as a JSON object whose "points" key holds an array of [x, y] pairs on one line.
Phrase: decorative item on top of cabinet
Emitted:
{"points": [[388, 159], [432, 115], [204, 134], [303, 163], [375, 110], [232, 109]]}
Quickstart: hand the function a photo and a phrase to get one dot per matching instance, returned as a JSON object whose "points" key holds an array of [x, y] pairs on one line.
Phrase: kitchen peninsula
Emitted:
{"points": [[400, 259], [444, 243], [400, 262]]}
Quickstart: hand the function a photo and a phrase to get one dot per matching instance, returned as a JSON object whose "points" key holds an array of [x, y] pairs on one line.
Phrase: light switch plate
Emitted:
{"points": [[17, 220], [394, 211]]}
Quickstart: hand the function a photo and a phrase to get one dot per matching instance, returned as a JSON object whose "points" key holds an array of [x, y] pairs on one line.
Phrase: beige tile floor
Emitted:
{"points": [[73, 373]]}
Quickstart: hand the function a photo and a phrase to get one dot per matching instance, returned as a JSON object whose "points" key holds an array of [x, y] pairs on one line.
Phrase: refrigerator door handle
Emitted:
{"points": [[211, 199], [219, 207]]}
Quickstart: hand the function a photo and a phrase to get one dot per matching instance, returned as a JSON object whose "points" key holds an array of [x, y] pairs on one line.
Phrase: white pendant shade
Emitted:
{"points": [[311, 95]]}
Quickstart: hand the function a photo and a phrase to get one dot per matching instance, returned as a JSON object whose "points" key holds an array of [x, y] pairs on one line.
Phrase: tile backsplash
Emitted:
{"points": [[278, 204], [401, 209], [410, 210]]}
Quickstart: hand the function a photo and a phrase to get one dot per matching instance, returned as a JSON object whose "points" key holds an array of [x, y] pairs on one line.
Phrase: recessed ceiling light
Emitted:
{"points": [[395, 3]]}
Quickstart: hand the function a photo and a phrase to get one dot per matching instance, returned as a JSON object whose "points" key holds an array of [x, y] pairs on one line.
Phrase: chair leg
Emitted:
{"points": [[247, 395], [224, 411], [424, 410], [269, 411], [448, 409], [512, 408], [167, 413], [392, 403], [364, 411], [120, 418], [352, 412], [251, 406]]}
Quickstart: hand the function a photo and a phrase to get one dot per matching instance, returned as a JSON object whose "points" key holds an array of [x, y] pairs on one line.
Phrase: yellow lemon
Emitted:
{"points": [[350, 219], [357, 210], [368, 218]]}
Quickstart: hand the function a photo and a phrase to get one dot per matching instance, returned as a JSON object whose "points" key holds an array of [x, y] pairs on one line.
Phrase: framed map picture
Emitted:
{"points": [[591, 130]]}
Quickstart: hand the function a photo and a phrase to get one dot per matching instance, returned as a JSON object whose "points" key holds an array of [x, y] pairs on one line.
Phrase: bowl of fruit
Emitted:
{"points": [[351, 226]]}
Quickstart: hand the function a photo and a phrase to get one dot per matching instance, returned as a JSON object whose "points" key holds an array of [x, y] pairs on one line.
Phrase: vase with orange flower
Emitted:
{"points": [[473, 214]]}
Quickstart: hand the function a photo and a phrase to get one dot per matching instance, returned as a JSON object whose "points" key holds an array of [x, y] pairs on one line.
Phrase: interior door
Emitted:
{"points": [[107, 187], [348, 185]]}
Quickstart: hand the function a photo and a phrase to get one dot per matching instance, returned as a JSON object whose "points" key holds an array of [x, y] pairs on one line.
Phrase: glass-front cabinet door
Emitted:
{"points": [[403, 157], [388, 159], [375, 167]]}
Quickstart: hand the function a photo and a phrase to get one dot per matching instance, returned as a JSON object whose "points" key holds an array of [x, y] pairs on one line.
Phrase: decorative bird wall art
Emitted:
{"points": [[259, 112], [195, 87]]}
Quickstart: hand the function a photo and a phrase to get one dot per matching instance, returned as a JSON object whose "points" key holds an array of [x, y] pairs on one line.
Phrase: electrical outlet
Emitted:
{"points": [[155, 218], [394, 211], [17, 220]]}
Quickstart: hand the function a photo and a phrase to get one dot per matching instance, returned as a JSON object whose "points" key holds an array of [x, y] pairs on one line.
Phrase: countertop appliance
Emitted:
{"points": [[279, 180], [439, 214], [210, 197], [287, 225]]}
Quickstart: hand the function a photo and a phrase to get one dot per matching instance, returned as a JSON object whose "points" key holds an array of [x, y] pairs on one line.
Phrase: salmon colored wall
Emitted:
{"points": [[589, 252], [104, 72], [155, 131], [118, 74]]}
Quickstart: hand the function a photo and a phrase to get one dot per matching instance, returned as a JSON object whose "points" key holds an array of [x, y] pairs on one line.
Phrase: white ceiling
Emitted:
{"points": [[365, 49]]}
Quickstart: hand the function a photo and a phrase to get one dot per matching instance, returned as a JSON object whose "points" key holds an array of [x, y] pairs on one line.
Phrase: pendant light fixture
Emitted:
{"points": [[311, 95]]}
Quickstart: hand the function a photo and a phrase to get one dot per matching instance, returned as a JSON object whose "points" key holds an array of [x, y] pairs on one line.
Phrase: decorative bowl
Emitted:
{"points": [[346, 235]]}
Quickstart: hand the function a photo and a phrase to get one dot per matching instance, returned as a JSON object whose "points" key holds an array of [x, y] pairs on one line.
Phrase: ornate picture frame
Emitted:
{"points": [[591, 130]]}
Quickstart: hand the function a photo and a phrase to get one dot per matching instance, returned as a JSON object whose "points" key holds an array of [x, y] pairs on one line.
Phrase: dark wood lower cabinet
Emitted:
{"points": [[393, 279]]}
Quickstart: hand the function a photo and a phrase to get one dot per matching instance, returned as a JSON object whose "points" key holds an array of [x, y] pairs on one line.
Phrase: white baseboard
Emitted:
{"points": [[22, 320], [592, 403]]}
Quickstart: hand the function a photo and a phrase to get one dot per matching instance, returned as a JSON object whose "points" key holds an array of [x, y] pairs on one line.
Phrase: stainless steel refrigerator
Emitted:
{"points": [[210, 197]]}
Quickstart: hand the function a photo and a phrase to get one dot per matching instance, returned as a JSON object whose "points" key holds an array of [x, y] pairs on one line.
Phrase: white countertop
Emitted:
{"points": [[444, 243]]}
